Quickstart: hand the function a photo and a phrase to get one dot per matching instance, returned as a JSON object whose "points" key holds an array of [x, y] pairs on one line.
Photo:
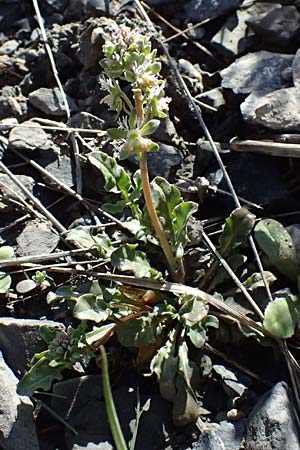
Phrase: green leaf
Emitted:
{"points": [[116, 178], [173, 213], [165, 364], [116, 133], [150, 127], [277, 244], [193, 311], [127, 258], [99, 333], [282, 316], [90, 307], [256, 281], [83, 236], [186, 408], [5, 282], [236, 231], [6, 252], [40, 376], [197, 335], [137, 332]]}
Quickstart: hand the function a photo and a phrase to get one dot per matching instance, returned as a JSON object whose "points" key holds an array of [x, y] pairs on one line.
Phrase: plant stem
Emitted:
{"points": [[138, 98], [155, 220]]}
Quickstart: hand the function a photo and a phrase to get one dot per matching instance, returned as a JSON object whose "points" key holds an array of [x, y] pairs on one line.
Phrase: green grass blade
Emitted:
{"points": [[113, 420]]}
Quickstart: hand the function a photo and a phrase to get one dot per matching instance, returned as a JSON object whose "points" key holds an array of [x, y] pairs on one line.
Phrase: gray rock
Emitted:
{"points": [[17, 426], [272, 424], [261, 72], [9, 189], [278, 110], [228, 436], [62, 169], [29, 139], [296, 69], [35, 239], [20, 340], [278, 27], [198, 10], [49, 101], [164, 161]]}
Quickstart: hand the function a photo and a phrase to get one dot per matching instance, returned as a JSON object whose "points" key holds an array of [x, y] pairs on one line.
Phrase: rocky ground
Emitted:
{"points": [[241, 62]]}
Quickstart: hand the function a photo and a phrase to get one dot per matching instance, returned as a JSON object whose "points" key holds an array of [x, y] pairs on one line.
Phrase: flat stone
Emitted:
{"points": [[20, 340], [29, 139], [62, 169], [17, 425], [278, 110], [49, 101], [9, 189], [262, 72], [278, 27], [272, 424], [198, 10], [51, 6]]}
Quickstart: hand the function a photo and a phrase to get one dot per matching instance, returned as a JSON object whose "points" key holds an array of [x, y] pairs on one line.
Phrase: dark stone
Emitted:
{"points": [[278, 27], [82, 405], [51, 6], [20, 340], [164, 161], [86, 120]]}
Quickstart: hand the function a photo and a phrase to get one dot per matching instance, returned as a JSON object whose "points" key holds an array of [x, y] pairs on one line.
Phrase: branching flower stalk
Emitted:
{"points": [[128, 56]]}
